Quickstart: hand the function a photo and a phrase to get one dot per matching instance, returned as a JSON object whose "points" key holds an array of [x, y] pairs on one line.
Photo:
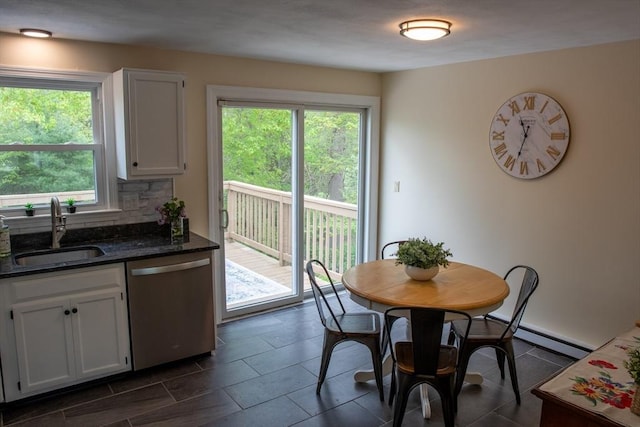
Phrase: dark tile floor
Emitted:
{"points": [[264, 372]]}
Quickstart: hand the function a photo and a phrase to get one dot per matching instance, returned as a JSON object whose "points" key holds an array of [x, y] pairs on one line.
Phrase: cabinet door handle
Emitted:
{"points": [[67, 312], [74, 310], [135, 164]]}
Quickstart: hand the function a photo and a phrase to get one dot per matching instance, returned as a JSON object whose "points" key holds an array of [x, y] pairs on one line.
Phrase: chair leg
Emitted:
{"points": [[463, 362], [452, 388], [392, 390], [447, 397], [330, 341], [404, 386], [511, 359], [376, 358], [500, 359]]}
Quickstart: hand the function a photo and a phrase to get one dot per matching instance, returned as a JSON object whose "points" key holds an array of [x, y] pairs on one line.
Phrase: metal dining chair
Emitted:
{"points": [[389, 246], [488, 332], [423, 359], [340, 326]]}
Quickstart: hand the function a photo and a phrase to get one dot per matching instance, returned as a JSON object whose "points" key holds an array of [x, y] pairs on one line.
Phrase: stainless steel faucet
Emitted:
{"points": [[58, 223]]}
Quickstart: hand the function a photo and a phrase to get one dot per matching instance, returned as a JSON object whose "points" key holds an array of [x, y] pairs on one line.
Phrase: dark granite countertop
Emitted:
{"points": [[119, 244]]}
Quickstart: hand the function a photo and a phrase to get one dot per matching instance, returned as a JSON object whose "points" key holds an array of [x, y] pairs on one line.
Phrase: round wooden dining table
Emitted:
{"points": [[381, 284]]}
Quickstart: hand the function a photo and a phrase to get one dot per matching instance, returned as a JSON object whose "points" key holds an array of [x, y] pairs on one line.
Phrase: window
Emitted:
{"points": [[51, 140]]}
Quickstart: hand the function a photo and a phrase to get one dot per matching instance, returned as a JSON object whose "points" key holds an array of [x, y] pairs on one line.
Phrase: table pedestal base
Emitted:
{"points": [[368, 375]]}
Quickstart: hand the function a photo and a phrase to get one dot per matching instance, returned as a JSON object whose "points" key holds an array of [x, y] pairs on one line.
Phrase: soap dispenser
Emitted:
{"points": [[5, 239]]}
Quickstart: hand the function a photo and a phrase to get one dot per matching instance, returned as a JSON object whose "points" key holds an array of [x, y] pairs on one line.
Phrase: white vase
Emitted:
{"points": [[417, 273]]}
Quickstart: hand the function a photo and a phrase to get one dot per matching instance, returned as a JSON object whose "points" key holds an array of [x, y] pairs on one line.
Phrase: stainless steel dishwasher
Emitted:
{"points": [[170, 308]]}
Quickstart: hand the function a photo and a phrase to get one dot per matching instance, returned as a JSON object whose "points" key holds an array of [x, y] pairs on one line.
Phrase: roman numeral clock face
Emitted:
{"points": [[529, 135]]}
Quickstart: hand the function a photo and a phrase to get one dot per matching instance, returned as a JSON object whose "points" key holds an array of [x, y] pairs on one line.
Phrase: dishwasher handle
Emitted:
{"points": [[170, 268]]}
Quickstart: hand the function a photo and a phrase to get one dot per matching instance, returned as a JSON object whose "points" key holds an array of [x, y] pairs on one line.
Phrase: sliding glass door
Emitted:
{"points": [[257, 183], [332, 142], [290, 189]]}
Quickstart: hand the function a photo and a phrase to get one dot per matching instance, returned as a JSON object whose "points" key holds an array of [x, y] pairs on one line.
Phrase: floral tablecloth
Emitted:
{"points": [[599, 382]]}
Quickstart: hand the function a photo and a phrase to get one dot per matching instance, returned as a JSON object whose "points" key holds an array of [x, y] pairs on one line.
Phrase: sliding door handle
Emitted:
{"points": [[225, 219]]}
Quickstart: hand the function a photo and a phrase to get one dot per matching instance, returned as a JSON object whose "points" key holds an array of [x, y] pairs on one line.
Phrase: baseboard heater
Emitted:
{"points": [[549, 342]]}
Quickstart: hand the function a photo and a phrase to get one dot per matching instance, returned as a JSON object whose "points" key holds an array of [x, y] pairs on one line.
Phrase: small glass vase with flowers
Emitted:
{"points": [[173, 213]]}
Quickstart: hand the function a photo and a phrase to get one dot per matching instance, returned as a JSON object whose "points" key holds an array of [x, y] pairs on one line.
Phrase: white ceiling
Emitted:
{"points": [[352, 34]]}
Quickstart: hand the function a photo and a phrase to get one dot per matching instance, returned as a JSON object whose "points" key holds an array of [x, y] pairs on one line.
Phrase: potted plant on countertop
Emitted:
{"points": [[71, 205], [173, 213], [422, 258], [28, 209], [633, 366]]}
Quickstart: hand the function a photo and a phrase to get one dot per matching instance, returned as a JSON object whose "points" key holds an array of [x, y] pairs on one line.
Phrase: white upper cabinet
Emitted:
{"points": [[149, 120]]}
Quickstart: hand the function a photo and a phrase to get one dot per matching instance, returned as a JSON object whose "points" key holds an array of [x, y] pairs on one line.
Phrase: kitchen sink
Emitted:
{"points": [[56, 256]]}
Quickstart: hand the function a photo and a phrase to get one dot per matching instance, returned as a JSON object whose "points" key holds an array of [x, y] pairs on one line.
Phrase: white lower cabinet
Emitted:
{"points": [[100, 333], [76, 333], [59, 340], [44, 344]]}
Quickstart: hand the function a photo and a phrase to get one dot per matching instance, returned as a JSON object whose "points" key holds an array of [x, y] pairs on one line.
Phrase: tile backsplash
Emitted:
{"points": [[139, 199]]}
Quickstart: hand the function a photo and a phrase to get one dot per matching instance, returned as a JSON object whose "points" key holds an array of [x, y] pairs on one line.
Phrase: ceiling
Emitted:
{"points": [[351, 34]]}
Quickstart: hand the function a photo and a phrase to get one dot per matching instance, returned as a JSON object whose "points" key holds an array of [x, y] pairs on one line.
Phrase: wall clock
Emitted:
{"points": [[529, 135]]}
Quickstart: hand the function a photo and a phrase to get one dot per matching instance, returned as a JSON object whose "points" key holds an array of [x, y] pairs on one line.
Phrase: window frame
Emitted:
{"points": [[100, 84]]}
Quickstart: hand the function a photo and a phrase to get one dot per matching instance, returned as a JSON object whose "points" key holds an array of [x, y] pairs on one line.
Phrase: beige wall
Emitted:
{"points": [[578, 226], [201, 70]]}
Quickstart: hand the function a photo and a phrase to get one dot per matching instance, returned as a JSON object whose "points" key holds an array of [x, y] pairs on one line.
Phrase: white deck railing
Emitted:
{"points": [[261, 219]]}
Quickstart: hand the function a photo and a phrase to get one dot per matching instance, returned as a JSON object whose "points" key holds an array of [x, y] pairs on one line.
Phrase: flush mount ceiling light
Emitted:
{"points": [[32, 32], [425, 29]]}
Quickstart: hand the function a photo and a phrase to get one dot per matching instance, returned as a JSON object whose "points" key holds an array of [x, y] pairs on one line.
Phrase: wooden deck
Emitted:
{"points": [[262, 264]]}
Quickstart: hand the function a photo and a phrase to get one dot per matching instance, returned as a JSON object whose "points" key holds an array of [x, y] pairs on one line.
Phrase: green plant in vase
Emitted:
{"points": [[633, 366], [173, 213], [422, 258], [71, 205], [29, 210]]}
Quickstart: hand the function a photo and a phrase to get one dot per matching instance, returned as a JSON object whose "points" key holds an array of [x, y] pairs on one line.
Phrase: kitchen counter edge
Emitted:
{"points": [[115, 251]]}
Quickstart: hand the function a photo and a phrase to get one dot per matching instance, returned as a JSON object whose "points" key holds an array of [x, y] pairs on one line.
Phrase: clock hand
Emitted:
{"points": [[526, 134]]}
